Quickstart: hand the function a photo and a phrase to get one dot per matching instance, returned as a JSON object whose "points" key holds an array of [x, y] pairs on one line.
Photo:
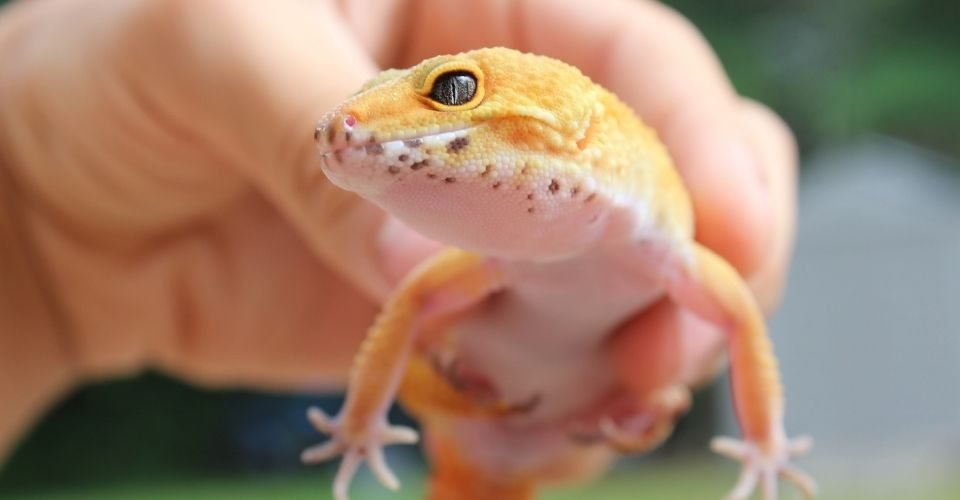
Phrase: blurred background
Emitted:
{"points": [[868, 336]]}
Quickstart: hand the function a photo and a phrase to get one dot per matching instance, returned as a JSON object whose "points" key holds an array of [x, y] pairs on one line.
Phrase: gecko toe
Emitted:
{"points": [[320, 420], [729, 447], [348, 469], [378, 465], [322, 452], [801, 479], [398, 434]]}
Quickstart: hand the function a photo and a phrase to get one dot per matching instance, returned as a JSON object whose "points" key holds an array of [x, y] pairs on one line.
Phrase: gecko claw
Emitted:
{"points": [[367, 445], [764, 468]]}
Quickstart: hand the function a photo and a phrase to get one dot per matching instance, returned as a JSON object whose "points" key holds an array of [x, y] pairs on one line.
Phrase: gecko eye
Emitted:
{"points": [[454, 88]]}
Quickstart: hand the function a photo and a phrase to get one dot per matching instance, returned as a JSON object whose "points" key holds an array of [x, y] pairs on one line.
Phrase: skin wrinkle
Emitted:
{"points": [[196, 274], [14, 199], [174, 131], [44, 360], [103, 179], [186, 318]]}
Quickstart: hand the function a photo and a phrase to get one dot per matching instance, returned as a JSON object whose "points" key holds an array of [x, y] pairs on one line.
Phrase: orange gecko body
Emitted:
{"points": [[565, 219]]}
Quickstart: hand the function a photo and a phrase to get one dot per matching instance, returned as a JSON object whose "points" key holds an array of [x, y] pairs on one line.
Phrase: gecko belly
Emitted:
{"points": [[548, 340]]}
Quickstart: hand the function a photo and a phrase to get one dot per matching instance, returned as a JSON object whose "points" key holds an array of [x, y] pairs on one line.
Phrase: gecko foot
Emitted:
{"points": [[368, 445], [760, 466], [636, 425], [463, 379], [479, 387]]}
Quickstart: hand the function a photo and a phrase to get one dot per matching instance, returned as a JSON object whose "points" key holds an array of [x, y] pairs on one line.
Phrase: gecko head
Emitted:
{"points": [[485, 150]]}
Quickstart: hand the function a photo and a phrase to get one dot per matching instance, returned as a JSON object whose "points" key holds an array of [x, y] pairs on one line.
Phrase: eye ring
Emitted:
{"points": [[450, 84], [454, 88]]}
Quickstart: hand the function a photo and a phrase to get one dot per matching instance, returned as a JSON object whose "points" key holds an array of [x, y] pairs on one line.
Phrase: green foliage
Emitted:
{"points": [[132, 429], [839, 70]]}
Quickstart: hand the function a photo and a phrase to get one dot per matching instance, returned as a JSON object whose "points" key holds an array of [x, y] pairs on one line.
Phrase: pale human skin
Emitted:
{"points": [[155, 212]]}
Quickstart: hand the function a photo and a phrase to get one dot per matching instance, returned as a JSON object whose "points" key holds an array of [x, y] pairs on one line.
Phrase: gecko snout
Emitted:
{"points": [[338, 131]]}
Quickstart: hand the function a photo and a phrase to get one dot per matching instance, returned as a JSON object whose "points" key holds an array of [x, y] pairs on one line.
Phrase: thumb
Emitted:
{"points": [[268, 72]]}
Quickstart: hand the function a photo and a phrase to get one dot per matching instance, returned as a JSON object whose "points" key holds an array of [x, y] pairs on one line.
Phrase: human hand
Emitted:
{"points": [[160, 156]]}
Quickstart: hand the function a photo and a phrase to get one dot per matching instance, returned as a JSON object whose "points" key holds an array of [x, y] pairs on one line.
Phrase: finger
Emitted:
{"points": [[664, 346], [182, 115], [244, 303], [289, 63], [776, 154], [152, 129], [82, 142], [659, 64]]}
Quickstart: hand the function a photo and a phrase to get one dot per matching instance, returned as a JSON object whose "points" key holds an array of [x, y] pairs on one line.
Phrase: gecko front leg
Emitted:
{"points": [[450, 282], [699, 280]]}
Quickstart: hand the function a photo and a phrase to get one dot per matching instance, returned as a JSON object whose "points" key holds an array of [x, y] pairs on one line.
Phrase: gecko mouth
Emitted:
{"points": [[333, 136], [455, 139], [354, 160]]}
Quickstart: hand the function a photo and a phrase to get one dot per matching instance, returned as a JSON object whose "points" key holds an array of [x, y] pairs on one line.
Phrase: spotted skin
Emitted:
{"points": [[566, 219]]}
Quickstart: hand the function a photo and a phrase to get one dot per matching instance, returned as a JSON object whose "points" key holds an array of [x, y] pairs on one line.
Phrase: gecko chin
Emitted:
{"points": [[487, 208], [504, 222]]}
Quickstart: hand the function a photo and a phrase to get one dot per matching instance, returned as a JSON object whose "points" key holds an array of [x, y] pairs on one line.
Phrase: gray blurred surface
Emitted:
{"points": [[869, 333]]}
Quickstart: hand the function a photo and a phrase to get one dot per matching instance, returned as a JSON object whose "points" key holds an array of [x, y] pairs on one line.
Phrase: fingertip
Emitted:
{"points": [[776, 150], [720, 166]]}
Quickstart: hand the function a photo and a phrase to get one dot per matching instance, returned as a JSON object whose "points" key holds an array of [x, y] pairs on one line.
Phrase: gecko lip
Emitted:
{"points": [[365, 166], [357, 139]]}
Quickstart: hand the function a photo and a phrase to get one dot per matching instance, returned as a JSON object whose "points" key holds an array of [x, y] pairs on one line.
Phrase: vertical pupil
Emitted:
{"points": [[454, 88]]}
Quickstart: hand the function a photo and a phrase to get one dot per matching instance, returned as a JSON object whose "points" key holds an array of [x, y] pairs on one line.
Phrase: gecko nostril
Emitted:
{"points": [[349, 121]]}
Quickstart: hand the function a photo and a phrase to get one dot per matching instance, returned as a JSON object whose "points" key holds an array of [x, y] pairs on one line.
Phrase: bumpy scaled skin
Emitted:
{"points": [[566, 219]]}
